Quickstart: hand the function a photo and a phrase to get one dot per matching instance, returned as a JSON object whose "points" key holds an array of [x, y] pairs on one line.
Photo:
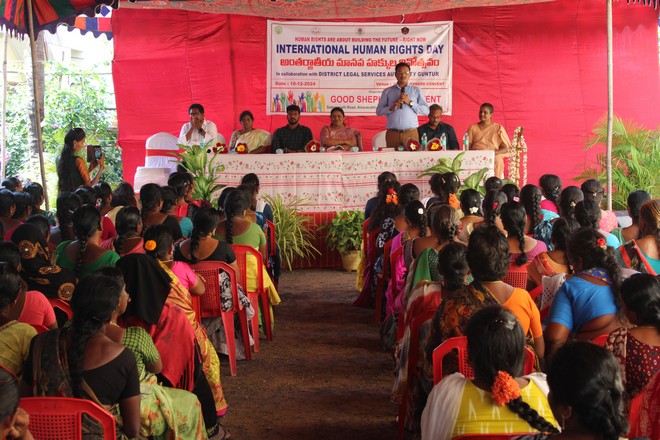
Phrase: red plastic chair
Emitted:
{"points": [[211, 306], [382, 282], [413, 357], [257, 296], [272, 247], [517, 276], [535, 292], [459, 343], [62, 306], [61, 417], [600, 340]]}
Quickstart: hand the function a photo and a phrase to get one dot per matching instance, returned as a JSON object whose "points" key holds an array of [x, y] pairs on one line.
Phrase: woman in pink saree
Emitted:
{"points": [[487, 135], [337, 136]]}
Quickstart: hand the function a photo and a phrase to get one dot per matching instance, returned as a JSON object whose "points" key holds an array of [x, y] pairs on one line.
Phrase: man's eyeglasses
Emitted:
{"points": [[402, 73]]}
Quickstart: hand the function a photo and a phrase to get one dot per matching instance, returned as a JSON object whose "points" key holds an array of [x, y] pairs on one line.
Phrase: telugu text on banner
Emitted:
{"points": [[318, 66]]}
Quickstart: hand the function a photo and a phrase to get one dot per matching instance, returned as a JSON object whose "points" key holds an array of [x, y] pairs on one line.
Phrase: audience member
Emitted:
{"points": [[635, 201], [588, 304], [551, 188], [643, 254], [36, 192], [593, 190], [460, 406], [72, 171]]}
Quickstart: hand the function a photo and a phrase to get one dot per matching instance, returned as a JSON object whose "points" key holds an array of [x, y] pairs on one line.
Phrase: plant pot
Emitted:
{"points": [[350, 261]]}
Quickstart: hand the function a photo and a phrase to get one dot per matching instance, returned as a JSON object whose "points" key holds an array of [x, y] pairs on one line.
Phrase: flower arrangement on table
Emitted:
{"points": [[313, 146], [241, 148], [220, 148], [412, 145], [518, 158], [434, 144]]}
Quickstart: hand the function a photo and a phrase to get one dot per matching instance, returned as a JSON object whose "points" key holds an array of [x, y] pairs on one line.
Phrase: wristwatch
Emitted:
{"points": [[411, 104]]}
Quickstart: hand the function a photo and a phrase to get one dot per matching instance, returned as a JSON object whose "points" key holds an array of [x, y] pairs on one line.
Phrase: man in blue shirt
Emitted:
{"points": [[401, 103]]}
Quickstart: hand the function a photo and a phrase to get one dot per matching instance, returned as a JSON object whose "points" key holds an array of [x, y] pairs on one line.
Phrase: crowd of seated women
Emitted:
{"points": [[537, 266], [121, 264]]}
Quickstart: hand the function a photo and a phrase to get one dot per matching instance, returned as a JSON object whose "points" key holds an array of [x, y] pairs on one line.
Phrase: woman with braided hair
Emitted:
{"points": [[151, 198], [586, 396], [569, 197], [84, 255], [551, 188], [444, 187], [547, 264], [67, 203], [492, 209], [103, 193], [460, 406], [539, 220], [589, 304], [643, 254], [587, 213], [487, 256], [444, 224], [236, 229], [523, 248], [202, 245], [129, 229], [94, 367]]}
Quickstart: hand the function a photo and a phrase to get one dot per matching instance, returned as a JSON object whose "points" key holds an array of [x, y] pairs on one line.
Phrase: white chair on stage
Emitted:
{"points": [[379, 141], [158, 162]]}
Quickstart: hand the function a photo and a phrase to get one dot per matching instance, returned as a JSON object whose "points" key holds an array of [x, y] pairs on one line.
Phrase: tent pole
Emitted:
{"points": [[610, 104], [35, 91], [3, 149]]}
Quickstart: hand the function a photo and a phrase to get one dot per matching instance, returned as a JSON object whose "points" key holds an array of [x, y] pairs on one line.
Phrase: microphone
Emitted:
{"points": [[403, 90]]}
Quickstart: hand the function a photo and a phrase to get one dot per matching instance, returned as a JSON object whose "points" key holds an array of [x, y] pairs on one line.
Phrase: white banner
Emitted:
{"points": [[318, 66]]}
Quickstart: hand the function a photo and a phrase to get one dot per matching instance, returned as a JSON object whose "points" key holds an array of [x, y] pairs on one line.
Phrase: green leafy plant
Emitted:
{"points": [[205, 169], [345, 231], [74, 97], [447, 165], [635, 159], [292, 230]]}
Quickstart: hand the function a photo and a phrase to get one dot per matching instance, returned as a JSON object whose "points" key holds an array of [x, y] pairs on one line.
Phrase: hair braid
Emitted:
{"points": [[195, 236], [452, 231], [424, 224], [600, 419], [530, 415], [536, 210], [82, 329], [229, 230], [81, 254], [522, 258], [611, 265]]}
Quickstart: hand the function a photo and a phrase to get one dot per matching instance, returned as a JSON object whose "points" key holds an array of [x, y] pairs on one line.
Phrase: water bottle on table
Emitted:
{"points": [[443, 142], [423, 142]]}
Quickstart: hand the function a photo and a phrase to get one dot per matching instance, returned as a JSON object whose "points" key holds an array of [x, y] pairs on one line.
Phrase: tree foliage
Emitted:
{"points": [[74, 97]]}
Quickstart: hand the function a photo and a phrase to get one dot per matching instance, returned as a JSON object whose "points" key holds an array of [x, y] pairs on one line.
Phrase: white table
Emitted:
{"points": [[336, 181]]}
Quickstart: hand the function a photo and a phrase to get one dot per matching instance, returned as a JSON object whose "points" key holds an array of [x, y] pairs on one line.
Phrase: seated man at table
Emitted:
{"points": [[435, 128], [293, 137], [198, 129]]}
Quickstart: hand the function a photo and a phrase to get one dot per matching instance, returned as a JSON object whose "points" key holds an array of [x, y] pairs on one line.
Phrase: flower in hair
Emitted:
{"points": [[453, 201], [516, 199], [505, 388], [495, 205], [572, 204], [150, 245], [473, 210], [601, 243], [420, 211], [392, 197]]}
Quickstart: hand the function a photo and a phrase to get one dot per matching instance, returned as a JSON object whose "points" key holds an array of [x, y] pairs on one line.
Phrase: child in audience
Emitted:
{"points": [[587, 213], [570, 196], [539, 220], [643, 254], [523, 248], [14, 421], [36, 192], [512, 192]]}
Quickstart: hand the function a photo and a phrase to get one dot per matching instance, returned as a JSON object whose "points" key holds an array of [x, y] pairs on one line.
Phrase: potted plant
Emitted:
{"points": [[344, 233], [202, 162], [635, 159], [446, 165], [292, 230]]}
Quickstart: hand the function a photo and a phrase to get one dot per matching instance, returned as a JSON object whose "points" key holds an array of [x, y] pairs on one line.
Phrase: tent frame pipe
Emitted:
{"points": [[610, 104]]}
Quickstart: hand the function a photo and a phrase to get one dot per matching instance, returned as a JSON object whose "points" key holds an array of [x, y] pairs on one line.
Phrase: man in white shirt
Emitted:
{"points": [[198, 129]]}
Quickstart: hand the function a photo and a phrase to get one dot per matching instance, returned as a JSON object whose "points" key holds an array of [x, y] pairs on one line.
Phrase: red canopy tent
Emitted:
{"points": [[541, 65]]}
